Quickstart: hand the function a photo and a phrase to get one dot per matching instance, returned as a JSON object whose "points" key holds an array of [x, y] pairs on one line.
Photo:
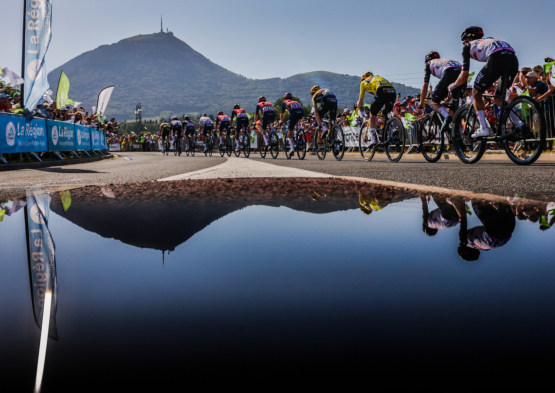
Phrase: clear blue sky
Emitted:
{"points": [[260, 39]]}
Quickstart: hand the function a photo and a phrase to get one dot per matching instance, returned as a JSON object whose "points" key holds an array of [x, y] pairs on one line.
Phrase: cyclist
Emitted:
{"points": [[177, 130], [385, 96], [500, 60], [296, 113], [189, 130], [224, 123], [324, 101], [241, 123], [268, 115], [165, 130], [206, 128], [447, 71]]}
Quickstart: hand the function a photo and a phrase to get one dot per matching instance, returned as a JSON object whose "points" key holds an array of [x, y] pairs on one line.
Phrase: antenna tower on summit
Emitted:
{"points": [[161, 25]]}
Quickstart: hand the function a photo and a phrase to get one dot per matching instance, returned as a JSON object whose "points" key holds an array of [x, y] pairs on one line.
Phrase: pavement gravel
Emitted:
{"points": [[147, 166]]}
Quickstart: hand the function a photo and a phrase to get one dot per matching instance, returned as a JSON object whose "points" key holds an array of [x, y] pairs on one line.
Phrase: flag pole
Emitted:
{"points": [[23, 56]]}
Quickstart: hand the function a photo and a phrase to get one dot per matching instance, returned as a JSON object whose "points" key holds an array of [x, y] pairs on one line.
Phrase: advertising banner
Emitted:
{"points": [[61, 136], [42, 261], [38, 33], [83, 138], [98, 139], [19, 136]]}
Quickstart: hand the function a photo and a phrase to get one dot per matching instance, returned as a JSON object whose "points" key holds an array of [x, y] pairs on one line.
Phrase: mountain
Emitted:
{"points": [[163, 73]]}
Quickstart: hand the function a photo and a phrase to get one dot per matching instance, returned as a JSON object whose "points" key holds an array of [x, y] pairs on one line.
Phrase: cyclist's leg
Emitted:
{"points": [[485, 78], [442, 91], [375, 108]]}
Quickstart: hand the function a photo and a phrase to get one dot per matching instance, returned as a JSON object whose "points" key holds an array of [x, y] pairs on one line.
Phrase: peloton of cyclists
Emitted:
{"points": [[296, 113], [205, 128], [384, 97], [501, 62], [268, 116], [241, 123]]}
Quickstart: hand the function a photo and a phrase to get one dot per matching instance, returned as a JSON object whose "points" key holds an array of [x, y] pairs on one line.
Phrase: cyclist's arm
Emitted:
{"points": [[361, 97], [424, 91], [256, 117], [232, 117], [317, 116], [463, 76], [283, 109]]}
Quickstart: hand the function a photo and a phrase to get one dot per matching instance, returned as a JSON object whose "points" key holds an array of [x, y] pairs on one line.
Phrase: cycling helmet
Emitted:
{"points": [[220, 113], [186, 118], [288, 96], [175, 118], [204, 115], [262, 99], [430, 56], [366, 75], [314, 90], [243, 110], [236, 106], [473, 32], [468, 254]]}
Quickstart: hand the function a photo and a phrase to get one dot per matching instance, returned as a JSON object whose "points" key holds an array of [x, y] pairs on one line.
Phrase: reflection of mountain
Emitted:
{"points": [[164, 215]]}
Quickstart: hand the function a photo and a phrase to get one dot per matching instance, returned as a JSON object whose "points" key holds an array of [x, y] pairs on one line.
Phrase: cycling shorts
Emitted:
{"points": [[242, 123], [500, 64], [328, 105], [165, 134], [189, 131], [384, 98], [224, 126], [267, 118], [442, 89], [207, 129], [179, 134], [294, 118]]}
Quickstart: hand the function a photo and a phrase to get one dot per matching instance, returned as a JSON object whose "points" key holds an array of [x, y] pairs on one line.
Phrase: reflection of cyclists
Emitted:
{"points": [[498, 225], [445, 216], [369, 202]]}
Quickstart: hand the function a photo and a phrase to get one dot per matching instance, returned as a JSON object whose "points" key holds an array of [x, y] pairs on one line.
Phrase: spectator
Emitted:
{"points": [[537, 89], [5, 105]]}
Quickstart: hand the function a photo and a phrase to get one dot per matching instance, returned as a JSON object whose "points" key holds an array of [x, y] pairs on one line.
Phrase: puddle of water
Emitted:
{"points": [[164, 282]]}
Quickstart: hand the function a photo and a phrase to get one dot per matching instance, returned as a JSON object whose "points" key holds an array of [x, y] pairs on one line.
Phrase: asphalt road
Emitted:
{"points": [[499, 176], [146, 167], [488, 176]]}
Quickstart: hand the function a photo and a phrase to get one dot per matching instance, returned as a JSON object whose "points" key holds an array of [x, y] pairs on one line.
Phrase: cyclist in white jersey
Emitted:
{"points": [[501, 62], [447, 71], [206, 128]]}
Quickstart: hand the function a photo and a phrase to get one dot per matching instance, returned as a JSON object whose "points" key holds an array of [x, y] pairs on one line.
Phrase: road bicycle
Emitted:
{"points": [[299, 137], [325, 140], [166, 150], [390, 137], [191, 142], [432, 136], [177, 146], [244, 142], [229, 139], [221, 146], [519, 127], [209, 145]]}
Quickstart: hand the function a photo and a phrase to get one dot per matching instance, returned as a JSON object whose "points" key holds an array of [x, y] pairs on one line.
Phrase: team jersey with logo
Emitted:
{"points": [[437, 68], [240, 114], [291, 106], [206, 122], [223, 119], [190, 126], [479, 239], [481, 49], [265, 107], [372, 84], [165, 127], [321, 96], [177, 126]]}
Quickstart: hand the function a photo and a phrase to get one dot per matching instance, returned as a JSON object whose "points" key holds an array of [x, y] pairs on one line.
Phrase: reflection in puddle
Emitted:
{"points": [[271, 277]]}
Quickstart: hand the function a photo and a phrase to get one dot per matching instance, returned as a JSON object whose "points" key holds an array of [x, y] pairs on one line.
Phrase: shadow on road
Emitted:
{"points": [[67, 170]]}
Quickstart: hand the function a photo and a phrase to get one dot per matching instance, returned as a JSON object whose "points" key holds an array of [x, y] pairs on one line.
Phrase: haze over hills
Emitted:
{"points": [[163, 73]]}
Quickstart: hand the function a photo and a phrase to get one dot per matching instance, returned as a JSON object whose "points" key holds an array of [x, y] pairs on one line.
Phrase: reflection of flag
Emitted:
{"points": [[2, 213], [42, 259], [16, 206], [65, 196]]}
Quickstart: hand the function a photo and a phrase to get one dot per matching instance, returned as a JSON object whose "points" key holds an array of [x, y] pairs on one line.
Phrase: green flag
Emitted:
{"points": [[409, 118], [548, 66], [543, 222], [2, 213], [470, 77], [62, 96], [468, 211], [525, 107], [251, 136], [65, 196]]}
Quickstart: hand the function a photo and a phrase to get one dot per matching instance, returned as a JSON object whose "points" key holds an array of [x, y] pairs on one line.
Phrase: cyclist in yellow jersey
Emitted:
{"points": [[384, 97], [165, 130]]}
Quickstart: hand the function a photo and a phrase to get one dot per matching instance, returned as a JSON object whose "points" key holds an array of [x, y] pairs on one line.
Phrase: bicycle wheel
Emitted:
{"points": [[228, 144], [338, 144], [320, 144], [193, 146], [234, 140], [188, 147], [431, 139], [396, 139], [364, 139], [274, 145], [262, 147], [246, 145], [525, 122], [465, 123], [300, 145], [176, 147]]}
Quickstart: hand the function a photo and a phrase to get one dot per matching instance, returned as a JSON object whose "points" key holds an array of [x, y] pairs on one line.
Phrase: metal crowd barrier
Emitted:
{"points": [[20, 136]]}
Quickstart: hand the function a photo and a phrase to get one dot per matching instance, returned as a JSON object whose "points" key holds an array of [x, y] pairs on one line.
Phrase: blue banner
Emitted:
{"points": [[19, 136], [83, 135], [61, 136], [98, 139], [38, 33], [42, 261]]}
